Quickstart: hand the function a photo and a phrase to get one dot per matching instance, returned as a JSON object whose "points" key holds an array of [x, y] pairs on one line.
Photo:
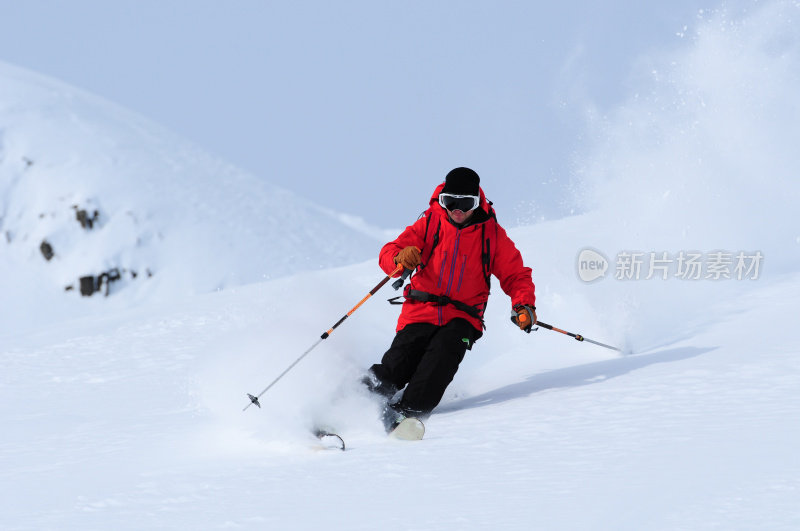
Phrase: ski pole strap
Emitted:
{"points": [[397, 284]]}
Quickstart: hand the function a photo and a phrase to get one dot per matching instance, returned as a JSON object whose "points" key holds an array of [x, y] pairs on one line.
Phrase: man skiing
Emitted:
{"points": [[453, 249]]}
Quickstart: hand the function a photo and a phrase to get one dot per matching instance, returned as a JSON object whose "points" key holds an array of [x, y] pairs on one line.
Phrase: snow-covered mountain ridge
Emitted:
{"points": [[164, 208]]}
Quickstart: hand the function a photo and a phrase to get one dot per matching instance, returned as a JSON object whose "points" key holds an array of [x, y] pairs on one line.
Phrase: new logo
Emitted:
{"points": [[592, 265]]}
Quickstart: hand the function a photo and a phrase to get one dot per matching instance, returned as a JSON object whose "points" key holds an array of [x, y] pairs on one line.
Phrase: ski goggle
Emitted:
{"points": [[464, 203]]}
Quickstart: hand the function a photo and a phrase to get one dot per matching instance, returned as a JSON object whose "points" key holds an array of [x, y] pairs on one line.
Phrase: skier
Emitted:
{"points": [[454, 248]]}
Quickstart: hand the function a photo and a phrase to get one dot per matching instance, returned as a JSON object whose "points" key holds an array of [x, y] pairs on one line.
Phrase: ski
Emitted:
{"points": [[409, 429], [329, 439]]}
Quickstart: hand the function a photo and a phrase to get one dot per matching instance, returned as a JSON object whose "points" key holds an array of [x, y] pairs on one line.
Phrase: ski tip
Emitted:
{"points": [[330, 440], [409, 429]]}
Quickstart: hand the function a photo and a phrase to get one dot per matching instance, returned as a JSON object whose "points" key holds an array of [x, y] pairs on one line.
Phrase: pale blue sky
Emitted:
{"points": [[362, 106]]}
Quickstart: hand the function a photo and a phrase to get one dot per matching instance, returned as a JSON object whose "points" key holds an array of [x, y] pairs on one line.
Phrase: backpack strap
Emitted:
{"points": [[432, 242], [486, 247]]}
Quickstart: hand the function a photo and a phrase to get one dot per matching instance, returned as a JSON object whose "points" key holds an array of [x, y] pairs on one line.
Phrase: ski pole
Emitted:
{"points": [[576, 336], [254, 399], [397, 284]]}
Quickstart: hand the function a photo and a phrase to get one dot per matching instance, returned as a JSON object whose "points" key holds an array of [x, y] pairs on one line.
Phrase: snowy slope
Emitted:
{"points": [[136, 423], [131, 418], [165, 208]]}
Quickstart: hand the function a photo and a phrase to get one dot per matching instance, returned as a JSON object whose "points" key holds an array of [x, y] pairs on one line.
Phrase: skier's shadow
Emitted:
{"points": [[577, 376]]}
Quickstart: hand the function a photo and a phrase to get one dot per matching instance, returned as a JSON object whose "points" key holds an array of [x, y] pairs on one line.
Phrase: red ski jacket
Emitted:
{"points": [[456, 266]]}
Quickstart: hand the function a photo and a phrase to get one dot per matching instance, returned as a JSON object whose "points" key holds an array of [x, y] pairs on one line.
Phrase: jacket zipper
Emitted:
{"points": [[461, 274], [443, 267], [453, 264], [451, 275]]}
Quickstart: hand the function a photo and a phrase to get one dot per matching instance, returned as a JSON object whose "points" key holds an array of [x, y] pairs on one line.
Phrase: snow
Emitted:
{"points": [[125, 412], [195, 222], [136, 422]]}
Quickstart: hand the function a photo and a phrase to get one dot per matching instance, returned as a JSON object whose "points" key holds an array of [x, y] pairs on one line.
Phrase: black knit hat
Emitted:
{"points": [[462, 181]]}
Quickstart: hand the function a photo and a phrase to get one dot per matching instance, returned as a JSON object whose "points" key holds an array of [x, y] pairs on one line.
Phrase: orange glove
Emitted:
{"points": [[525, 317], [410, 257]]}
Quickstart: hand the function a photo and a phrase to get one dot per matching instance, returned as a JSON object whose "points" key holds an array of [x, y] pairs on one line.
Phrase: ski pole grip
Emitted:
{"points": [[397, 284]]}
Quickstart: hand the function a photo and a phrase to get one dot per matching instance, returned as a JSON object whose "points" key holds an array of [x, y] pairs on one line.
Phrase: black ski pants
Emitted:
{"points": [[424, 358]]}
